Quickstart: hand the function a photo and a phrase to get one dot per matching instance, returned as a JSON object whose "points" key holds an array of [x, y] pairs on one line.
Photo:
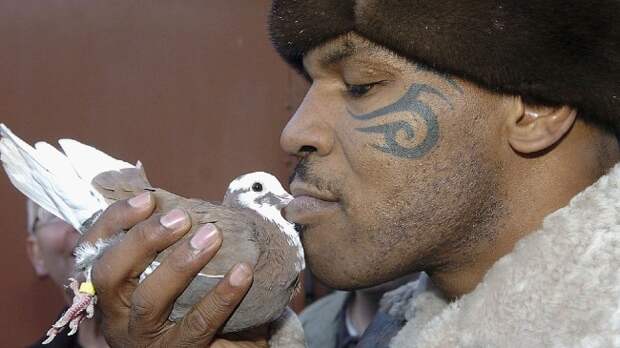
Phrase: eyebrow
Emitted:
{"points": [[337, 54]]}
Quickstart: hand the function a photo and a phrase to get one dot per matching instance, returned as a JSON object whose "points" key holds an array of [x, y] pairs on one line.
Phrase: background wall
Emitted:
{"points": [[191, 88]]}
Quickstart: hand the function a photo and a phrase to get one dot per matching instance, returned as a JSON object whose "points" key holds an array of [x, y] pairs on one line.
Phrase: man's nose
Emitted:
{"points": [[309, 130]]}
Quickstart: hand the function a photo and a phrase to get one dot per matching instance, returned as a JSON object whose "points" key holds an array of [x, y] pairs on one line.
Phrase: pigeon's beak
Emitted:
{"points": [[283, 200]]}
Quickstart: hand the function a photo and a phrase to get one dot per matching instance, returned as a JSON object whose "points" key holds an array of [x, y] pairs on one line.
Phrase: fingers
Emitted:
{"points": [[201, 324], [115, 273], [170, 279], [128, 259], [121, 215]]}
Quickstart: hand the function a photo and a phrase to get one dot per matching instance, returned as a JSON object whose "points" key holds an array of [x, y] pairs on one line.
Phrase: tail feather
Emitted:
{"points": [[59, 183], [18, 171]]}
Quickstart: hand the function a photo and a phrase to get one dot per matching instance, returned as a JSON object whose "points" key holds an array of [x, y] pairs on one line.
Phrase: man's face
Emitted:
{"points": [[53, 242], [398, 171]]}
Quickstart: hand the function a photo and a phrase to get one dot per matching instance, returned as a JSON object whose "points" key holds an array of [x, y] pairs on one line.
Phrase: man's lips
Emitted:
{"points": [[310, 204], [299, 188]]}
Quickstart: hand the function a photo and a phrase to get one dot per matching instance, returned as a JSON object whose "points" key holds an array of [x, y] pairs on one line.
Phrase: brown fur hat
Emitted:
{"points": [[548, 51]]}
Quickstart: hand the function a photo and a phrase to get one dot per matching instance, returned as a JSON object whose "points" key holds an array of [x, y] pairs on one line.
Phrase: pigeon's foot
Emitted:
{"points": [[82, 306]]}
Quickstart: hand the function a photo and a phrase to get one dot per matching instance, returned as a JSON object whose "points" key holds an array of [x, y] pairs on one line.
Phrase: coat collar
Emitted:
{"points": [[559, 287]]}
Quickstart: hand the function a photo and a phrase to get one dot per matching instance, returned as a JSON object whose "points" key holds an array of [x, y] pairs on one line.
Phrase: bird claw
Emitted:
{"points": [[82, 306], [74, 324]]}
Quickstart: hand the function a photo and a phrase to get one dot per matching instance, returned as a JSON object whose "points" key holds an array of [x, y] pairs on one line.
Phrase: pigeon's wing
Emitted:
{"points": [[122, 184], [58, 182]]}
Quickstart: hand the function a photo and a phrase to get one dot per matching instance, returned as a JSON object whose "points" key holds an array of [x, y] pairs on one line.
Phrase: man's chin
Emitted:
{"points": [[337, 275], [339, 262]]}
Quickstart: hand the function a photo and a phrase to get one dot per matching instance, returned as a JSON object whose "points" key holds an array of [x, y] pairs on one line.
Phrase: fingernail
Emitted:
{"points": [[140, 200], [205, 236], [174, 219], [239, 275]]}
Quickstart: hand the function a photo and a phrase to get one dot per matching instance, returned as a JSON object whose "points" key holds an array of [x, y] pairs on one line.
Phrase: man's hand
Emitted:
{"points": [[137, 314]]}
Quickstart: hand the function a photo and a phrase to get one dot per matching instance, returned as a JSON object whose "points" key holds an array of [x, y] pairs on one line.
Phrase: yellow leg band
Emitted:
{"points": [[87, 288]]}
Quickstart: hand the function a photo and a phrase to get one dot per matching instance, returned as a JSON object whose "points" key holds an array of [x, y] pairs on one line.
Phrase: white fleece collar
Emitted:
{"points": [[560, 287]]}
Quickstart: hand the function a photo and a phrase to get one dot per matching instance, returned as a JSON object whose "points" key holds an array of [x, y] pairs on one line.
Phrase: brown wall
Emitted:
{"points": [[191, 88]]}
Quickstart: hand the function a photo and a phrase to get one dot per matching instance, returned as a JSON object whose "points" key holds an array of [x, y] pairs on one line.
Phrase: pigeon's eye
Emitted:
{"points": [[257, 187]]}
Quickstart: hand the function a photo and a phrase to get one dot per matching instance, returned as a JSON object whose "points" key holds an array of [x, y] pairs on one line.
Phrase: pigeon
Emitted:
{"points": [[80, 183]]}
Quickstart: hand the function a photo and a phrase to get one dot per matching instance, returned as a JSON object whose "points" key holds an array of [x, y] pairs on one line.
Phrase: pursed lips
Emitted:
{"points": [[310, 204], [302, 189]]}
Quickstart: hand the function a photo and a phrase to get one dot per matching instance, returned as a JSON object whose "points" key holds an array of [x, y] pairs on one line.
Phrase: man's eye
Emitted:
{"points": [[357, 91]]}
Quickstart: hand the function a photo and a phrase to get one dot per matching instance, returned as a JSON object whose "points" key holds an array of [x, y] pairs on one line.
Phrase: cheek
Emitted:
{"points": [[399, 215], [358, 248], [56, 243], [57, 240], [51, 242], [372, 239], [402, 215]]}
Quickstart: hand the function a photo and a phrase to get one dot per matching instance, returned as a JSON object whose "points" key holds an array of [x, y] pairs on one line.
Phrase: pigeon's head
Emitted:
{"points": [[264, 194], [258, 191]]}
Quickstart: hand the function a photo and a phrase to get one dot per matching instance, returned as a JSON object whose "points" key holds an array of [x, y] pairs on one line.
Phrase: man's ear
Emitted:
{"points": [[34, 254], [534, 128]]}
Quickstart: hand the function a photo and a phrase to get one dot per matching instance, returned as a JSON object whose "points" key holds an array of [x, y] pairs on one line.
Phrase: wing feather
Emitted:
{"points": [[59, 182]]}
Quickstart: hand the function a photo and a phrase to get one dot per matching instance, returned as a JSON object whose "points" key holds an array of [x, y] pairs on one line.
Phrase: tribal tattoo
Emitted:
{"points": [[409, 103]]}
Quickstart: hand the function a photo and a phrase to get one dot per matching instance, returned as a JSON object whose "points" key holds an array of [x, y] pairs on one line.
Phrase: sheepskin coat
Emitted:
{"points": [[560, 287]]}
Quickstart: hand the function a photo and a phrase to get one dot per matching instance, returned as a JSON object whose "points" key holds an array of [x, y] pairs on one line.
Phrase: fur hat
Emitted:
{"points": [[547, 51]]}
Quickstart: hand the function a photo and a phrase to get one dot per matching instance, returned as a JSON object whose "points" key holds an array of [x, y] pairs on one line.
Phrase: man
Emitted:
{"points": [[470, 140], [50, 245]]}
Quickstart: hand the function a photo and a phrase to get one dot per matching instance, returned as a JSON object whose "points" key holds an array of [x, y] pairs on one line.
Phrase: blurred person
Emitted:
{"points": [[50, 245]]}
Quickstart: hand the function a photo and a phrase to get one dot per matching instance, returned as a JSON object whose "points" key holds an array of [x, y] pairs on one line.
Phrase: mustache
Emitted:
{"points": [[300, 171], [303, 173]]}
